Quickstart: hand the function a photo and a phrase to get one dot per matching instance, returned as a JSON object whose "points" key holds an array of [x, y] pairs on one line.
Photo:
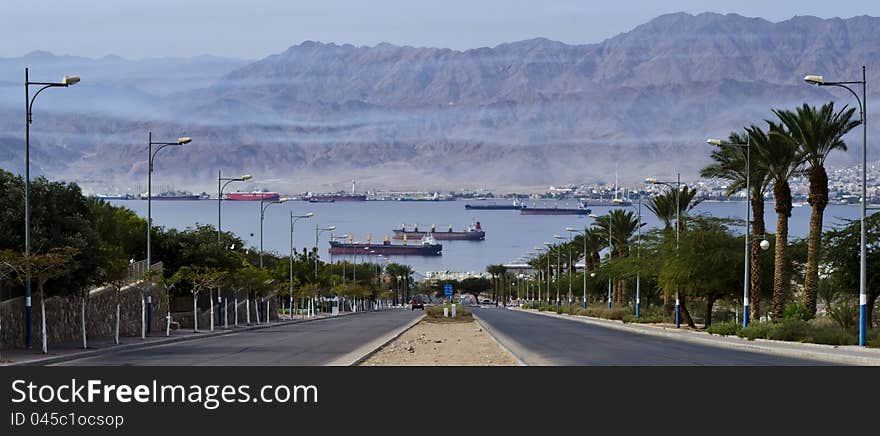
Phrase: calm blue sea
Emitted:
{"points": [[508, 234]]}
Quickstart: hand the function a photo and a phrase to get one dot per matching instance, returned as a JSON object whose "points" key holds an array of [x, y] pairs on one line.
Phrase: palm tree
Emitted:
{"points": [[664, 208], [817, 133], [730, 164], [497, 271], [780, 156]]}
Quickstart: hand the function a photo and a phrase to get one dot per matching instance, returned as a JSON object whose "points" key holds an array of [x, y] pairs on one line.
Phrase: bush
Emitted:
{"points": [[789, 330], [797, 310], [648, 315], [729, 328], [756, 330], [435, 313], [845, 314]]}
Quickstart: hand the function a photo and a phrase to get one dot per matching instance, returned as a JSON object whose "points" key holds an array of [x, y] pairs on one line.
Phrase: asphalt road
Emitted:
{"points": [[314, 343], [543, 340]]}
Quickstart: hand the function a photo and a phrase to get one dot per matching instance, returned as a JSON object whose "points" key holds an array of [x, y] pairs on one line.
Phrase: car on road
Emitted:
{"points": [[417, 304]]}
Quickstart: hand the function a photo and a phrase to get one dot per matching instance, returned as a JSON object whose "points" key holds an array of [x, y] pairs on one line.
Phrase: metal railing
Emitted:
{"points": [[136, 270]]}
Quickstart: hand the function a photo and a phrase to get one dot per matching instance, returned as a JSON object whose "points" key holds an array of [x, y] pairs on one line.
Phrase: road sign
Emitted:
{"points": [[447, 289]]}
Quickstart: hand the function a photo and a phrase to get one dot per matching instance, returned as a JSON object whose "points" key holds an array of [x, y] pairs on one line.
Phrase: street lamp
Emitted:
{"points": [[539, 251], [748, 147], [293, 220], [29, 112], [221, 310], [677, 188], [151, 158], [863, 278], [549, 256], [263, 206], [610, 251], [638, 253], [569, 239]]}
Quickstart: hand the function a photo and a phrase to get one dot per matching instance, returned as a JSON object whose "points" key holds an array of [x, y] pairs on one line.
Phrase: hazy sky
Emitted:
{"points": [[256, 28]]}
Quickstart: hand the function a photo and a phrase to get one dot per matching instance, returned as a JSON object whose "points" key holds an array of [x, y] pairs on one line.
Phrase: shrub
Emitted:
{"points": [[729, 328], [756, 330], [647, 315], [845, 314], [797, 310], [789, 330]]}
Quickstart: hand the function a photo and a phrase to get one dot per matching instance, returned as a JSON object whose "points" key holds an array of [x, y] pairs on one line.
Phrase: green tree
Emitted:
{"points": [[818, 133], [198, 279], [842, 259]]}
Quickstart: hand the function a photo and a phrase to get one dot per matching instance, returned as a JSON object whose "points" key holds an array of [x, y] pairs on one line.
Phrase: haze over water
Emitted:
{"points": [[508, 234]]}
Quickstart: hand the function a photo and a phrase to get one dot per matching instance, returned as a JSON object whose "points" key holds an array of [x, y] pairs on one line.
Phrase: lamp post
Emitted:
{"points": [[318, 231], [549, 256], [748, 148], [610, 251], [220, 179], [263, 206], [539, 251], [151, 158], [293, 220], [638, 251], [677, 188], [863, 278], [29, 118], [569, 239], [572, 231]]}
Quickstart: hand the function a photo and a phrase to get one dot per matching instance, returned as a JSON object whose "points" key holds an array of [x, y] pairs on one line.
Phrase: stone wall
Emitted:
{"points": [[63, 316]]}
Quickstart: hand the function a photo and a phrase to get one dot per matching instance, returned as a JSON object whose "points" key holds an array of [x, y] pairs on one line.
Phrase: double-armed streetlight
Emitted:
{"points": [[263, 206], [151, 158], [220, 187], [549, 256], [676, 185], [539, 251], [610, 252], [863, 278], [293, 220], [570, 239], [65, 82], [318, 231], [638, 251]]}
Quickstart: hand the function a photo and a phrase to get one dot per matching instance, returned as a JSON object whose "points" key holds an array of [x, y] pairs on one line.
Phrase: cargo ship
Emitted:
{"points": [[427, 246], [473, 233], [252, 196], [176, 195], [556, 210], [340, 196], [493, 206]]}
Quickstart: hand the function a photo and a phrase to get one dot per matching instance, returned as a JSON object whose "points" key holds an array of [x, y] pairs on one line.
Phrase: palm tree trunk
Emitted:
{"points": [[781, 274], [818, 199], [758, 231], [685, 313]]}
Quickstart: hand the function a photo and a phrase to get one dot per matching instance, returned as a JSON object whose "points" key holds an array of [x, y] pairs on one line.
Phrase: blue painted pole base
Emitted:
{"points": [[29, 339], [745, 316], [863, 327], [637, 310], [149, 316], [677, 316]]}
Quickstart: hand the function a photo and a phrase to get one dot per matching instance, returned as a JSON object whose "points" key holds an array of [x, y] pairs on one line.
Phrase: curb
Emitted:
{"points": [[170, 340], [364, 352], [482, 325], [821, 352]]}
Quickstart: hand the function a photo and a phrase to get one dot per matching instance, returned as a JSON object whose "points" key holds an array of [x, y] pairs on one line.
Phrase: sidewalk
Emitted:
{"points": [[71, 351], [845, 354]]}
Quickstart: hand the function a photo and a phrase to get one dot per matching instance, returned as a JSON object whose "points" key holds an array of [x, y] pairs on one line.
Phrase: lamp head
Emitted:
{"points": [[592, 274], [184, 140], [570, 229], [331, 228], [815, 79], [714, 141], [765, 245], [283, 200], [651, 180], [246, 177], [592, 215], [70, 80], [309, 215]]}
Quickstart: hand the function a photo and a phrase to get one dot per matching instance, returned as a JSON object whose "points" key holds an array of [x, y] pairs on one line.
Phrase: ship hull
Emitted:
{"points": [[441, 236], [175, 198], [386, 249], [554, 211], [493, 207], [252, 196], [334, 198]]}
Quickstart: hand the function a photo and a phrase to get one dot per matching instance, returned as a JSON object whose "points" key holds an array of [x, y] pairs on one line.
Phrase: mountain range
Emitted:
{"points": [[518, 116]]}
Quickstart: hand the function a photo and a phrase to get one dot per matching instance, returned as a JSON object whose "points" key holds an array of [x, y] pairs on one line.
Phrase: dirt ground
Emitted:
{"points": [[442, 344]]}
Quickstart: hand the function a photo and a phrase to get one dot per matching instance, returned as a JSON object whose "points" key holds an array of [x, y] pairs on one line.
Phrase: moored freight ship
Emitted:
{"points": [[492, 206], [176, 195], [555, 211], [252, 196], [331, 198], [473, 233], [428, 246]]}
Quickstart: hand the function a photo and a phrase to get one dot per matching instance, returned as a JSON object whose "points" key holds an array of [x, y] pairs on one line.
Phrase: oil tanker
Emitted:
{"points": [[252, 196], [428, 246], [555, 211], [493, 206], [473, 233]]}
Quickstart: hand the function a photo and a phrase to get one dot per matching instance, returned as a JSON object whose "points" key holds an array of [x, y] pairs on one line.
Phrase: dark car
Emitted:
{"points": [[417, 304]]}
